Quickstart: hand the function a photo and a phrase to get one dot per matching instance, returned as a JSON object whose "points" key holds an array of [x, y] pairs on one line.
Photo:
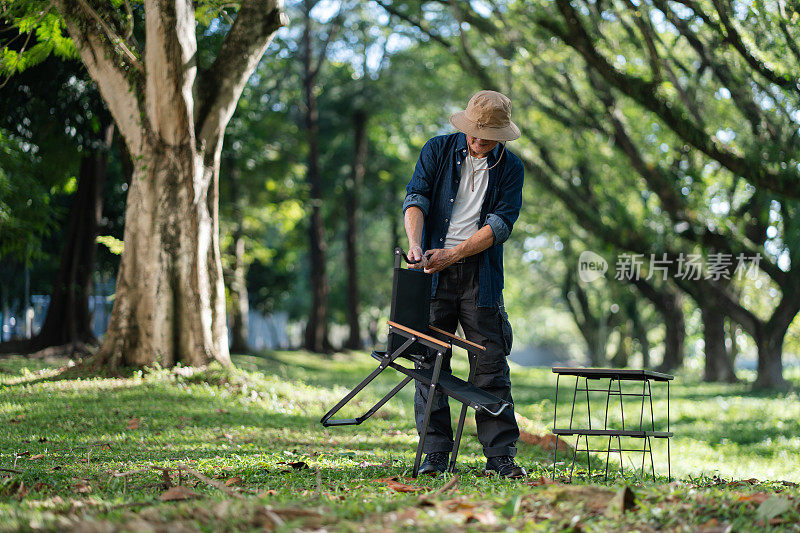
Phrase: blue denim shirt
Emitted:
{"points": [[433, 189]]}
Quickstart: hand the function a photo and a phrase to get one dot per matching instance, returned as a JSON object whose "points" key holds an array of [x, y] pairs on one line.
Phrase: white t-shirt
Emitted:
{"points": [[468, 203]]}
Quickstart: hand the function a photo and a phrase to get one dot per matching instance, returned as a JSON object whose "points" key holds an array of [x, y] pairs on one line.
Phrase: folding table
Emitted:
{"points": [[642, 431]]}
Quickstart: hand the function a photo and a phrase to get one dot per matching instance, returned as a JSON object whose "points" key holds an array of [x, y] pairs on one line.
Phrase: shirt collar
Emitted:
{"points": [[461, 149]]}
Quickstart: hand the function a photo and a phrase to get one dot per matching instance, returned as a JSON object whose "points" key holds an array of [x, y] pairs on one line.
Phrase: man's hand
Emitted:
{"points": [[415, 254], [439, 258]]}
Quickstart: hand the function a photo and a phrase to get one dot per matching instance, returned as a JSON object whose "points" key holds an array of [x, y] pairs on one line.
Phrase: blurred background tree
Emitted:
{"points": [[662, 136]]}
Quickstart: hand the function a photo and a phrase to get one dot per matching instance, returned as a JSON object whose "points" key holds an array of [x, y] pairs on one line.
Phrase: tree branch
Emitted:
{"points": [[218, 89], [170, 61], [111, 34], [782, 181], [735, 39], [323, 53], [471, 67], [117, 84]]}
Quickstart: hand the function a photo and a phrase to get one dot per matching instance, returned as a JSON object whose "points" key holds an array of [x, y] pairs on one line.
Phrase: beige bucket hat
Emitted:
{"points": [[488, 116]]}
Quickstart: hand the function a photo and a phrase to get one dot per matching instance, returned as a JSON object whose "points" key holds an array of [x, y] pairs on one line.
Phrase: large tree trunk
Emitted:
{"points": [[170, 300], [67, 327], [354, 341], [240, 305], [718, 363], [316, 335]]}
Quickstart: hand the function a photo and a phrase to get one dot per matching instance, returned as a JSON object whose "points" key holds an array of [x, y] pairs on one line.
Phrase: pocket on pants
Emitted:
{"points": [[508, 333]]}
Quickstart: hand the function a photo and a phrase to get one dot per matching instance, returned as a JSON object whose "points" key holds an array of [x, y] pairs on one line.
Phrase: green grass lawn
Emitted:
{"points": [[254, 432]]}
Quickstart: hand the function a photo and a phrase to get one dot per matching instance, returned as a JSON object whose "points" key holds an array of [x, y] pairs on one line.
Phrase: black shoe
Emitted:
{"points": [[434, 463], [504, 466]]}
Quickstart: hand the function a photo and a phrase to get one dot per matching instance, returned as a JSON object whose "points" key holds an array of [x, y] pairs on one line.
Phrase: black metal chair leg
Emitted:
{"points": [[428, 408], [457, 442], [326, 419], [461, 419]]}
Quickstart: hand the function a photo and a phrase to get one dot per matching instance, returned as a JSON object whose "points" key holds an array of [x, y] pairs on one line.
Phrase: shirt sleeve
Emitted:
{"points": [[419, 189], [501, 219]]}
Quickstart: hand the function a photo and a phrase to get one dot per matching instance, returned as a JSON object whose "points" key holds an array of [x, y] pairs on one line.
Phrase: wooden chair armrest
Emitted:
{"points": [[419, 334], [457, 338]]}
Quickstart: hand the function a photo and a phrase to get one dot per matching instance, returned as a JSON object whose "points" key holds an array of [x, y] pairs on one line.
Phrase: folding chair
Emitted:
{"points": [[411, 337]]}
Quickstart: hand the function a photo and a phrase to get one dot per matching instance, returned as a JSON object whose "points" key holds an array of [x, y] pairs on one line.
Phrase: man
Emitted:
{"points": [[460, 207]]}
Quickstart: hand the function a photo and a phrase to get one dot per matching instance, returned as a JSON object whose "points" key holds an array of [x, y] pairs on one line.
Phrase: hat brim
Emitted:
{"points": [[465, 125]]}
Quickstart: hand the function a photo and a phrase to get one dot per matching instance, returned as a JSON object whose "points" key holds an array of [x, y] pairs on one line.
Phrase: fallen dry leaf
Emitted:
{"points": [[231, 481], [742, 482], [296, 465], [485, 517], [364, 464], [758, 497], [541, 481], [82, 488], [773, 507], [270, 492], [713, 526], [133, 423], [177, 493], [402, 487], [36, 457]]}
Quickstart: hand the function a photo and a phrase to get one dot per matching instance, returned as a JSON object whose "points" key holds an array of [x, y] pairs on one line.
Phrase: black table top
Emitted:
{"points": [[631, 374]]}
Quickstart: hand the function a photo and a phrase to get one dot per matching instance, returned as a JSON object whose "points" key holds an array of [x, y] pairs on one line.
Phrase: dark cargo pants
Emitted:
{"points": [[457, 301]]}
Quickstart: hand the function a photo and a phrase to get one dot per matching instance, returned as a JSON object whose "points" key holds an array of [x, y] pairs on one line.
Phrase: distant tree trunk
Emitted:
{"points": [[640, 333], [770, 363], [718, 364], [354, 341], [733, 330], [669, 303], [169, 304], [595, 329], [394, 217], [769, 337], [622, 355], [675, 335], [240, 305], [67, 327], [316, 335]]}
